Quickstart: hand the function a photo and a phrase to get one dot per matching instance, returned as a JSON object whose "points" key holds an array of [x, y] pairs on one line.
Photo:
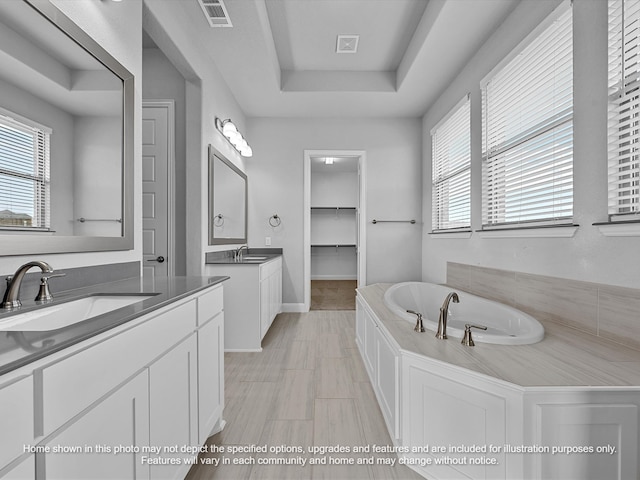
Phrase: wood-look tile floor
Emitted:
{"points": [[308, 387], [333, 294]]}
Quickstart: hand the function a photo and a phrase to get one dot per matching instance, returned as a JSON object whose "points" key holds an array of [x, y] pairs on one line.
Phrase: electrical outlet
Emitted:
{"points": [[267, 241]]}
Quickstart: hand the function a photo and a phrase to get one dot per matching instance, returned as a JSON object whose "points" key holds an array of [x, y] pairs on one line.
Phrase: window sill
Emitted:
{"points": [[451, 234], [619, 229], [551, 231]]}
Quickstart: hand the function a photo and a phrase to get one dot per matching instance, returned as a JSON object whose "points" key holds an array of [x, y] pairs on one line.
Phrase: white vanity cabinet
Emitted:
{"points": [[122, 418], [156, 381], [173, 403], [270, 293], [16, 409], [210, 363], [382, 361], [253, 298]]}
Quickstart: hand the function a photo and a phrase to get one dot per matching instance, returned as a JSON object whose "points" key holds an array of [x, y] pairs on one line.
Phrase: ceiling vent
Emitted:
{"points": [[216, 13], [347, 43]]}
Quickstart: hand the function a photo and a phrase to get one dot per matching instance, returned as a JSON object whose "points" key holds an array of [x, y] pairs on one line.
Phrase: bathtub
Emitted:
{"points": [[505, 325]]}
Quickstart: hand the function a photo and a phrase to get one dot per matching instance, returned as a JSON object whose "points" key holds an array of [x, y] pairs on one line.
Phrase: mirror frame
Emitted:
{"points": [[26, 244], [213, 155]]}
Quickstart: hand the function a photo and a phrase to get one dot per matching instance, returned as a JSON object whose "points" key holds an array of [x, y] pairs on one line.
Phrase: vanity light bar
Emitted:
{"points": [[234, 137]]}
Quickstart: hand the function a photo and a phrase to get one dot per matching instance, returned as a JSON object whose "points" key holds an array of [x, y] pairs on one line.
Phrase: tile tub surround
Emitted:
{"points": [[565, 357], [605, 311]]}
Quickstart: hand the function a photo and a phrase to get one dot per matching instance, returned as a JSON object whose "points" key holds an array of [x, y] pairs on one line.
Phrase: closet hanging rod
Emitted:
{"points": [[392, 221]]}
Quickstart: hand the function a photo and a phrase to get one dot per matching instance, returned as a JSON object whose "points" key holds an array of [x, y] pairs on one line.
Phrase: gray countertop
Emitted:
{"points": [[252, 256], [19, 348]]}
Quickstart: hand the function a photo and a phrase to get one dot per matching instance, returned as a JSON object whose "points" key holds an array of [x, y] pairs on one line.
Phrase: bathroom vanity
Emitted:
{"points": [[103, 394], [510, 403], [253, 296]]}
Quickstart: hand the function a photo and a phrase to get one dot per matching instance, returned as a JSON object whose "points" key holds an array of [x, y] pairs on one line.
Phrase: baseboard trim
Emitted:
{"points": [[294, 308], [240, 350]]}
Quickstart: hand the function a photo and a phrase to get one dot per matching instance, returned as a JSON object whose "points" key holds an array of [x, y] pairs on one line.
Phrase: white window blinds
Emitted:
{"points": [[451, 172], [527, 131], [624, 107], [24, 175]]}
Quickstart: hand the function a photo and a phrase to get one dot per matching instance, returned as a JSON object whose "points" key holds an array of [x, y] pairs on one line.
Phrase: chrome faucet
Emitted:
{"points": [[444, 312], [11, 296], [238, 252]]}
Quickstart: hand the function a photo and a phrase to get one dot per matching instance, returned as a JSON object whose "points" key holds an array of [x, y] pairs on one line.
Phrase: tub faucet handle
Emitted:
{"points": [[467, 339], [418, 328]]}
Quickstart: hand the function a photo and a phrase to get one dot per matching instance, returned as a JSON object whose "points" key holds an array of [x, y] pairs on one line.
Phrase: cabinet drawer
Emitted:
{"points": [[16, 405], [269, 268], [210, 304], [75, 382]]}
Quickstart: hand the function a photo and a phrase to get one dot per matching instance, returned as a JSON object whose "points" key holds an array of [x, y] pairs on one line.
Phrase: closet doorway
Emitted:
{"points": [[334, 253]]}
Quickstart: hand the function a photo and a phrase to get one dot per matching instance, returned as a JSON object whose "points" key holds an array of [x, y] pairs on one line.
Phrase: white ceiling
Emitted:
{"points": [[279, 57], [339, 165]]}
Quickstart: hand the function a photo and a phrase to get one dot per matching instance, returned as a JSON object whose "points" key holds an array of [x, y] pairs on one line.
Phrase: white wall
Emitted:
{"points": [[97, 175], [589, 255], [117, 27], [275, 176], [207, 97]]}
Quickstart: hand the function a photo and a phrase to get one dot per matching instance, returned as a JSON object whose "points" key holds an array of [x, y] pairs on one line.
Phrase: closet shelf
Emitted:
{"points": [[336, 245], [333, 208]]}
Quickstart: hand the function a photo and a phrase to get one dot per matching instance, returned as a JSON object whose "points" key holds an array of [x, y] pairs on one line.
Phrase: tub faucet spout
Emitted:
{"points": [[444, 312]]}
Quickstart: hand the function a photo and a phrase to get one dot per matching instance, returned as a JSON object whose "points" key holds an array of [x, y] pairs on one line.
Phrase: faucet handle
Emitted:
{"points": [[44, 294], [467, 339], [418, 328]]}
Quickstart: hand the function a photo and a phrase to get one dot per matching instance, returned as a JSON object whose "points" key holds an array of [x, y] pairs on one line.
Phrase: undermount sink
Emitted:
{"points": [[59, 315], [251, 258]]}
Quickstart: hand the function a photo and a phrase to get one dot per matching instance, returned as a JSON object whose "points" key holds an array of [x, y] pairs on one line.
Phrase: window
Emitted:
{"points": [[24, 174], [451, 173], [624, 108], [527, 131]]}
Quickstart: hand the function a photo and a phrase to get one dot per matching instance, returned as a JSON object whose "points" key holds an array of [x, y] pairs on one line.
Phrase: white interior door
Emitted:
{"points": [[156, 188]]}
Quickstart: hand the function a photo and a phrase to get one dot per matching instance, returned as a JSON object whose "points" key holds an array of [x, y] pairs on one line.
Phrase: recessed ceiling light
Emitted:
{"points": [[347, 43], [329, 161]]}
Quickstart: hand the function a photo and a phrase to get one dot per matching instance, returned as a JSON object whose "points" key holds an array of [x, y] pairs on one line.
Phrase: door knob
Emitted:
{"points": [[158, 259]]}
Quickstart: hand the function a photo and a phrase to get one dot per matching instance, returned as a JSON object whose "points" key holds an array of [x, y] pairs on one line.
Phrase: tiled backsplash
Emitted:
{"points": [[606, 311]]}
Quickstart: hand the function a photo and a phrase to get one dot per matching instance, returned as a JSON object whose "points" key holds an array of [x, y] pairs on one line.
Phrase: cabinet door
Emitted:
{"points": [[122, 418], [173, 404], [265, 303], [275, 294], [25, 470], [16, 407], [210, 376]]}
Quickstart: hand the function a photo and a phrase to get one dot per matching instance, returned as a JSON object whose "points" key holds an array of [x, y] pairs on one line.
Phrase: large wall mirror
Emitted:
{"points": [[227, 201], [66, 136]]}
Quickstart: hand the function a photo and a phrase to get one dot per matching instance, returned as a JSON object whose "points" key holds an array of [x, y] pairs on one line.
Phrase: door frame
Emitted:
{"points": [[361, 216], [169, 105]]}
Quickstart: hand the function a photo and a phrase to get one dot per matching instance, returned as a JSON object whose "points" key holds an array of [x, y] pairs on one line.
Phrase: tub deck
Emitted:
{"points": [[565, 357]]}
